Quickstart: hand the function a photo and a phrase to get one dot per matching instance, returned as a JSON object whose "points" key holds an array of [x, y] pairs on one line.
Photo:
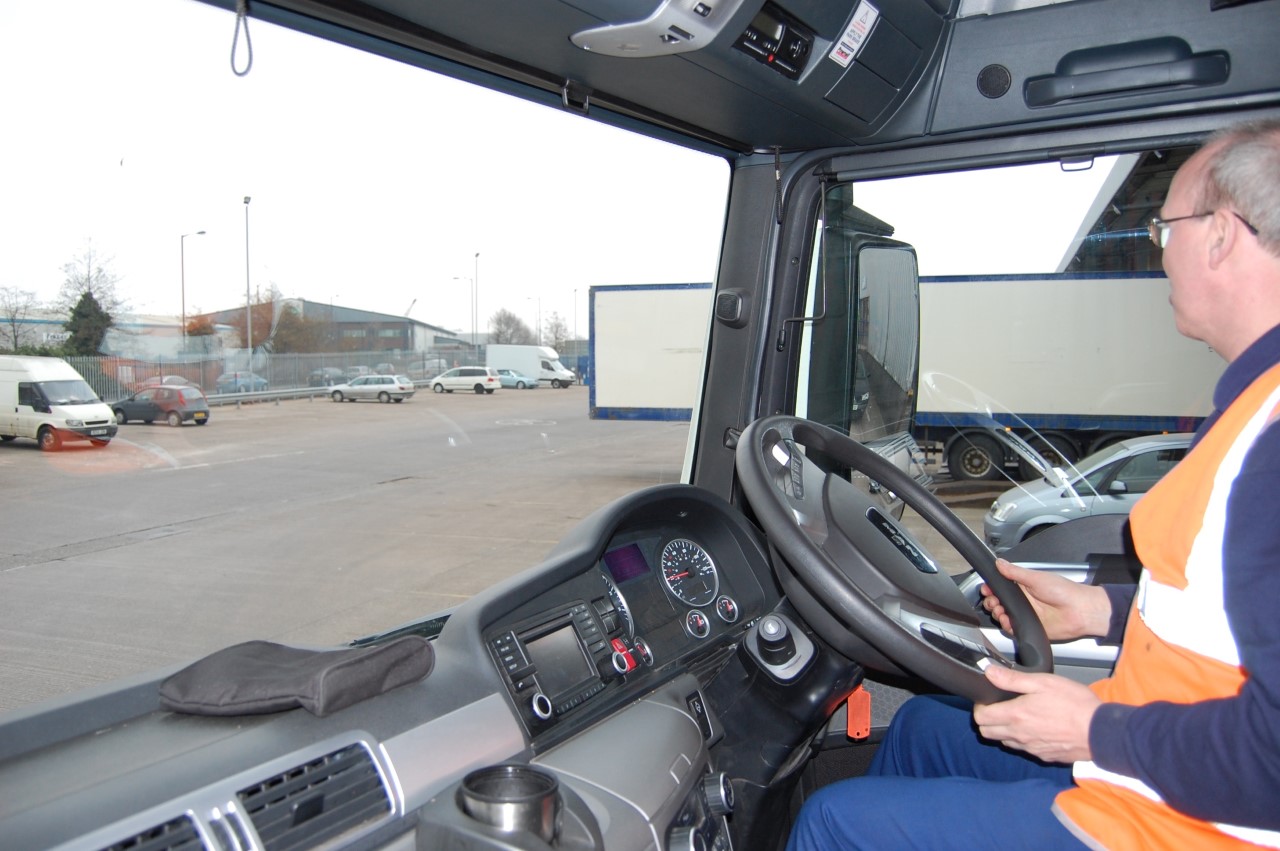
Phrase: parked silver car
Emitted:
{"points": [[384, 388], [1109, 481]]}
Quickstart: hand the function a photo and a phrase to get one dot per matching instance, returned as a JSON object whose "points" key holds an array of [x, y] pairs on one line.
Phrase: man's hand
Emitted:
{"points": [[1067, 609], [1049, 719]]}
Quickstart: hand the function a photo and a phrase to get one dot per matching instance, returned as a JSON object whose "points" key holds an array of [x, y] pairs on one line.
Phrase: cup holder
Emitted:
{"points": [[513, 797]]}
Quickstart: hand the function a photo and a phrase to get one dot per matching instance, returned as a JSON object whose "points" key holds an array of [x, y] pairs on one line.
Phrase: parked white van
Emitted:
{"points": [[46, 400]]}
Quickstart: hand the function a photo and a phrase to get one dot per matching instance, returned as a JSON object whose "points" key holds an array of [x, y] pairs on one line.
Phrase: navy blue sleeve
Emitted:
{"points": [[1121, 597], [1219, 760]]}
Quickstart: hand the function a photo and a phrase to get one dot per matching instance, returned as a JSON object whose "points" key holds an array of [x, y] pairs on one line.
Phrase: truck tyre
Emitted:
{"points": [[973, 458], [174, 419], [1057, 450], [49, 439]]}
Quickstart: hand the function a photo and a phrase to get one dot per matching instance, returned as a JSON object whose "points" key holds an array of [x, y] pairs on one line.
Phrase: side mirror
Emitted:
{"points": [[1117, 488]]}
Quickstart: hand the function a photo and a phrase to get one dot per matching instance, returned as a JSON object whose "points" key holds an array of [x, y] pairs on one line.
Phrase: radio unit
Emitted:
{"points": [[554, 662]]}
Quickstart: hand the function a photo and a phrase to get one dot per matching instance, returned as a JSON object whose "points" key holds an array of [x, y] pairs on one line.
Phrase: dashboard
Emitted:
{"points": [[596, 670], [664, 591]]}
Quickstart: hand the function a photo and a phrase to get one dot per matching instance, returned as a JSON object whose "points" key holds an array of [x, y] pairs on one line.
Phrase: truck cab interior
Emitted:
{"points": [[675, 673]]}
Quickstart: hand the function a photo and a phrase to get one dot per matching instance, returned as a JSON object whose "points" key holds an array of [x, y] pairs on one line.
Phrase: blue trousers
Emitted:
{"points": [[936, 784]]}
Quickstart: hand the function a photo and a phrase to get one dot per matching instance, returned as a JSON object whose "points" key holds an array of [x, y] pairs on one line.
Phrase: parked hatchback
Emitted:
{"points": [[240, 382], [1109, 481], [384, 388], [173, 404], [518, 380], [479, 379]]}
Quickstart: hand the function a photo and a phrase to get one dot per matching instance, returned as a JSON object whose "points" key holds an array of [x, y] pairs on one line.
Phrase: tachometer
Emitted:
{"points": [[689, 572]]}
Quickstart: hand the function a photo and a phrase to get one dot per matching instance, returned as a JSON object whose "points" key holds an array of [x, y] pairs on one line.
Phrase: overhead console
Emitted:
{"points": [[777, 41]]}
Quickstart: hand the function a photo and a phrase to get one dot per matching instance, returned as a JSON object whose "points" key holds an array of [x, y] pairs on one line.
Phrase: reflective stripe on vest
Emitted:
{"points": [[1179, 647]]}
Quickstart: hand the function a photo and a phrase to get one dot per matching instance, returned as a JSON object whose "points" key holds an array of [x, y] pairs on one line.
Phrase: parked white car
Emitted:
{"points": [[1109, 481], [480, 379]]}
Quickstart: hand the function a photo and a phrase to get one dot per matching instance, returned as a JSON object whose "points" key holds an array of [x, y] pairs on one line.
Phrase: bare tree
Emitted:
{"points": [[555, 331], [15, 307], [506, 327], [92, 275]]}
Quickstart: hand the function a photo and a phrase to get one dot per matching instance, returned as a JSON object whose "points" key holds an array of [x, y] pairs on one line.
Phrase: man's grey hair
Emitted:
{"points": [[1243, 174]]}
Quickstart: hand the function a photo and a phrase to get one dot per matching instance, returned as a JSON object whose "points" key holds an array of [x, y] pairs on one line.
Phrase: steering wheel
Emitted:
{"points": [[857, 576]]}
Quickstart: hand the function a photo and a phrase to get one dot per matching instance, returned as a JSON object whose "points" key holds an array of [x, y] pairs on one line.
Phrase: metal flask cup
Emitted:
{"points": [[513, 797]]}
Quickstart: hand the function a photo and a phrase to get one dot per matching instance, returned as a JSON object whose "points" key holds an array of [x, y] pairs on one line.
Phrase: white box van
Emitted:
{"points": [[46, 400]]}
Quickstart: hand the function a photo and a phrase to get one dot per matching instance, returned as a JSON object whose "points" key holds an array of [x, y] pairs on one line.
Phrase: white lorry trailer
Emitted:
{"points": [[540, 362], [1027, 354], [647, 347], [46, 400]]}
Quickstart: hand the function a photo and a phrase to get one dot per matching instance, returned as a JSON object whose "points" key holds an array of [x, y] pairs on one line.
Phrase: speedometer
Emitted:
{"points": [[689, 572]]}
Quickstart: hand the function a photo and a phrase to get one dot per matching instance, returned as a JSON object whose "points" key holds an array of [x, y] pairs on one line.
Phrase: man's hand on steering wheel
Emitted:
{"points": [[1068, 610]]}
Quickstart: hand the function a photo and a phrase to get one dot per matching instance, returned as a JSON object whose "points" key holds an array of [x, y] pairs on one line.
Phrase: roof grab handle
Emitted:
{"points": [[1116, 70]]}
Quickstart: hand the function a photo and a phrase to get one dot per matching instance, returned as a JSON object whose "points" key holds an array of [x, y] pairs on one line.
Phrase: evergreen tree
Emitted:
{"points": [[88, 326]]}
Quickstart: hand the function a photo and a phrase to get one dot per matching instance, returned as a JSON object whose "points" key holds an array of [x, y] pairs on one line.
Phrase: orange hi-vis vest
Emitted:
{"points": [[1178, 645]]}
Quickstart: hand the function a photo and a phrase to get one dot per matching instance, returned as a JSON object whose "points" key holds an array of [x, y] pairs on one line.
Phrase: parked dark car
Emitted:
{"points": [[175, 404], [326, 376], [240, 382]]}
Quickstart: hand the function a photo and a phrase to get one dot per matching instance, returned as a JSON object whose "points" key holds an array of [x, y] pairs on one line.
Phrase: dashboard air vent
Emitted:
{"points": [[317, 801], [177, 835]]}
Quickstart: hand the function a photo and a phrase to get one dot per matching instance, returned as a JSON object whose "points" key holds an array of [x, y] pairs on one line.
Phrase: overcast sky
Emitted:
{"points": [[373, 185]]}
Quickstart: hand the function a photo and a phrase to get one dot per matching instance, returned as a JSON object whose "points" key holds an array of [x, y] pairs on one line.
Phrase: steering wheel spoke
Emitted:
{"points": [[859, 576]]}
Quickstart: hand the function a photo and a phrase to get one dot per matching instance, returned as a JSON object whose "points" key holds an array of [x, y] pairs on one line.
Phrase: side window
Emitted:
{"points": [[28, 394], [1141, 472]]}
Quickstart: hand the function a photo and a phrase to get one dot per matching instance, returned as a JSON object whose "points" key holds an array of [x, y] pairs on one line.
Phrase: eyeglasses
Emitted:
{"points": [[1158, 228]]}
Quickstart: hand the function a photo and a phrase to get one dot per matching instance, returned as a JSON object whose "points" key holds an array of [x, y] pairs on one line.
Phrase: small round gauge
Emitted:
{"points": [[620, 607], [689, 572]]}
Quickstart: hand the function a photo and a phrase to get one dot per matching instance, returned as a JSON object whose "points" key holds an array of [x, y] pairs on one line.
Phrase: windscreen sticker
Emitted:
{"points": [[849, 45]]}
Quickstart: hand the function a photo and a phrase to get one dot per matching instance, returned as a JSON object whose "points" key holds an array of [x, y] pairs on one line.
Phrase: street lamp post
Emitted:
{"points": [[182, 258], [248, 301], [475, 303]]}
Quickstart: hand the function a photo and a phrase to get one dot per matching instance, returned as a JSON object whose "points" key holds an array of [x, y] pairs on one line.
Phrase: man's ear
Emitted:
{"points": [[1222, 234]]}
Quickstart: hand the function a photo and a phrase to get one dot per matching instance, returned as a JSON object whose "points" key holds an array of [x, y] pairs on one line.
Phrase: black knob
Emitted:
{"points": [[777, 647]]}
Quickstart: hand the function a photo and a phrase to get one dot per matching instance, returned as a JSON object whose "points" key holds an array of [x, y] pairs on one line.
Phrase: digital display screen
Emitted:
{"points": [[559, 661], [626, 563], [767, 25]]}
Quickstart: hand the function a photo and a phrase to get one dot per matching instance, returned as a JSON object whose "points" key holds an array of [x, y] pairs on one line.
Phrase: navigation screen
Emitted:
{"points": [[559, 661], [626, 563]]}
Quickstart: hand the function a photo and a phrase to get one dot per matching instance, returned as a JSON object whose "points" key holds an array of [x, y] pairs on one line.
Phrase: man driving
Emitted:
{"points": [[1180, 747]]}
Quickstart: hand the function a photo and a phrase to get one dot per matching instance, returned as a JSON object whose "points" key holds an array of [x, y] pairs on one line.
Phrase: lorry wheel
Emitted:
{"points": [[1057, 450], [49, 439], [121, 419], [974, 458], [174, 419]]}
